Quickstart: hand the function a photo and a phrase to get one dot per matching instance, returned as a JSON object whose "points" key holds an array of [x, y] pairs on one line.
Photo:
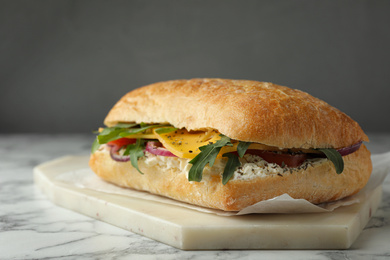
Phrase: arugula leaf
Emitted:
{"points": [[335, 157], [106, 130], [207, 155], [138, 130], [110, 134], [143, 124], [135, 151], [242, 147], [120, 130], [165, 130], [95, 145], [231, 165], [124, 125]]}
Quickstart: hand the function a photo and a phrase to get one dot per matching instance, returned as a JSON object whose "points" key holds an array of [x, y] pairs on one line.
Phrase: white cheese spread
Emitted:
{"points": [[252, 166]]}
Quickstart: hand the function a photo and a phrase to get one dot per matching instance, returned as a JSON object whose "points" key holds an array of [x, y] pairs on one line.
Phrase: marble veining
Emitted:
{"points": [[31, 227]]}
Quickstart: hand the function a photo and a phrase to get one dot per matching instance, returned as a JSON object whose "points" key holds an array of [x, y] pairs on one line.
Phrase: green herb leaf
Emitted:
{"points": [[207, 155], [231, 165], [335, 157], [107, 130], [109, 134], [124, 125], [143, 128], [135, 151], [165, 130], [95, 145], [242, 147], [113, 133], [143, 124]]}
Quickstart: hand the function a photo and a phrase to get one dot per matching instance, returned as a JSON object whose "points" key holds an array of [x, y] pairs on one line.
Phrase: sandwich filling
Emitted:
{"points": [[198, 151], [252, 166]]}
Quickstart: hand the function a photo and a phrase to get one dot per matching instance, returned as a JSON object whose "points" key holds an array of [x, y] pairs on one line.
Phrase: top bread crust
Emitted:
{"points": [[244, 110]]}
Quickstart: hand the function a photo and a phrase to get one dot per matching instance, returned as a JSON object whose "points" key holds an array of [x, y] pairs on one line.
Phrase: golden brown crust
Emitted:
{"points": [[240, 109], [316, 184]]}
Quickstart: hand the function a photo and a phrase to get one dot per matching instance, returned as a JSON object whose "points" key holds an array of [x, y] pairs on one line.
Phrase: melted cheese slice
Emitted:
{"points": [[185, 144]]}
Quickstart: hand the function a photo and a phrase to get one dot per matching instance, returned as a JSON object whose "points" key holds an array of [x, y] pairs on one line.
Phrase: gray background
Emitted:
{"points": [[63, 64]]}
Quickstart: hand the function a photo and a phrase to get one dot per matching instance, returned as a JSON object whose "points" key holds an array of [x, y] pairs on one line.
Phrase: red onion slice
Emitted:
{"points": [[350, 149], [343, 151], [114, 153], [156, 148]]}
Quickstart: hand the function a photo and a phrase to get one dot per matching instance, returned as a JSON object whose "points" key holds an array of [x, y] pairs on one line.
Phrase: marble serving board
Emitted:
{"points": [[192, 230]]}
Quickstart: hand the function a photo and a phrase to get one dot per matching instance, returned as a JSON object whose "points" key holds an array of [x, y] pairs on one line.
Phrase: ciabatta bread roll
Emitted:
{"points": [[227, 144]]}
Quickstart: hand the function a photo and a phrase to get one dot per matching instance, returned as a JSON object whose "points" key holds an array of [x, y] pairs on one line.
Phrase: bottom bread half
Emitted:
{"points": [[317, 184]]}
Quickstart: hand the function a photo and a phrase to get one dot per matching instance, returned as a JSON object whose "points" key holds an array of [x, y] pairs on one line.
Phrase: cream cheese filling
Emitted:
{"points": [[252, 166]]}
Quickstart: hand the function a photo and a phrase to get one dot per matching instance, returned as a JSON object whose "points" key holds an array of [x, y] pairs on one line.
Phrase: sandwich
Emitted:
{"points": [[228, 144]]}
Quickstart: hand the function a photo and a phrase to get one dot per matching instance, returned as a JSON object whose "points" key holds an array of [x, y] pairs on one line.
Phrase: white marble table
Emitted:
{"points": [[32, 227]]}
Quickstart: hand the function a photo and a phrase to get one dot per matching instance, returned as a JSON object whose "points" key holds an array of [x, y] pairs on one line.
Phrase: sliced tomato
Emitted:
{"points": [[119, 143], [290, 160]]}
